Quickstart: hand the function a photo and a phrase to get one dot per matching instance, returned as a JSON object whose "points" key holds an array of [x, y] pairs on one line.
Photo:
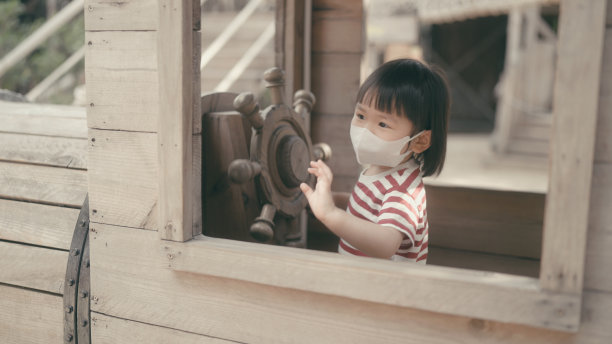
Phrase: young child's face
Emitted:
{"points": [[387, 126]]}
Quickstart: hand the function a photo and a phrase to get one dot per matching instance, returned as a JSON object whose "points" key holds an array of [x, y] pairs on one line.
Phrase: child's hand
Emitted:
{"points": [[320, 199]]}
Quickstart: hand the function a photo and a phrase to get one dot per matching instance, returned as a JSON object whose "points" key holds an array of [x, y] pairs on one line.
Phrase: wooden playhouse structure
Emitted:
{"points": [[101, 209]]}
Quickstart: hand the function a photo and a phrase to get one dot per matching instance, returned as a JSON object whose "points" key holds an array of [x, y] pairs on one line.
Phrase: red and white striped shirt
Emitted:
{"points": [[396, 199]]}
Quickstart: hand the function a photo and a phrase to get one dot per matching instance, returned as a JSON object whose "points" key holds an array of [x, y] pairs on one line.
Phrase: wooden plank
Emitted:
{"points": [[122, 80], [603, 141], [37, 224], [43, 184], [122, 50], [106, 15], [30, 317], [598, 253], [109, 330], [44, 125], [609, 14], [337, 9], [43, 110], [46, 150], [175, 59], [123, 178], [573, 142], [202, 268], [330, 35], [33, 267], [482, 261], [122, 100], [337, 75]]}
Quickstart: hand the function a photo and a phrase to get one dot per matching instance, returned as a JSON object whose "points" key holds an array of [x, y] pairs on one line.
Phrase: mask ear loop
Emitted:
{"points": [[418, 157]]}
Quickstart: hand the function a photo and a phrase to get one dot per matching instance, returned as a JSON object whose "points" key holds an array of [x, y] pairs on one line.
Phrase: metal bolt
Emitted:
{"points": [[68, 309], [84, 323], [75, 252], [68, 337], [84, 294], [71, 282]]}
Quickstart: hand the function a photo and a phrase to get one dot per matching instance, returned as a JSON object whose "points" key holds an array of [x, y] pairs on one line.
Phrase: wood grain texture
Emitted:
{"points": [[175, 75], [598, 253], [573, 142], [44, 184], [489, 221], [37, 224], [337, 75], [41, 110], [123, 178], [122, 80], [30, 317], [109, 15], [337, 9], [481, 261], [46, 150], [157, 268], [603, 140], [43, 125], [33, 267], [109, 330]]}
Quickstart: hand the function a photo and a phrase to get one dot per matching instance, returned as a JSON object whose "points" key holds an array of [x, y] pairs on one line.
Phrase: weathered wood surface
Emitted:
{"points": [[109, 15], [46, 150], [334, 74], [603, 142], [573, 142], [599, 243], [41, 110], [472, 292], [37, 224], [32, 267], [43, 124], [110, 330], [175, 79], [250, 312], [336, 27], [43, 184], [123, 178], [500, 222], [122, 80], [481, 261], [27, 316]]}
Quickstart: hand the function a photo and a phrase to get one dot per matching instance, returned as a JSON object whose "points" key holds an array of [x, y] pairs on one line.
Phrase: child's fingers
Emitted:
{"points": [[325, 170], [307, 190]]}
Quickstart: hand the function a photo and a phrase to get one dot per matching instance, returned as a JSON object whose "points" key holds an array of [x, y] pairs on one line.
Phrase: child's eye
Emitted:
{"points": [[383, 125], [360, 116]]}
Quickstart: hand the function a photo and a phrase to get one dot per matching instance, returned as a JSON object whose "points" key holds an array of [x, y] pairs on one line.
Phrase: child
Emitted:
{"points": [[399, 134]]}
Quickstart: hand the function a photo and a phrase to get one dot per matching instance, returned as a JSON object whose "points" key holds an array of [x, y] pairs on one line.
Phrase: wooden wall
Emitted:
{"points": [[337, 45], [136, 296], [43, 183]]}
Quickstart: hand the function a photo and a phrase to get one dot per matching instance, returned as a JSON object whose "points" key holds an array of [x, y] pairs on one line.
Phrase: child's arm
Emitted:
{"points": [[372, 239]]}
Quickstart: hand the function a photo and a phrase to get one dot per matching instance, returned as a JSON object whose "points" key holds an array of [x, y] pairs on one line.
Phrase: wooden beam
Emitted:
{"points": [[43, 184], [109, 15], [572, 144], [27, 316], [37, 224], [33, 267], [175, 72], [45, 150]]}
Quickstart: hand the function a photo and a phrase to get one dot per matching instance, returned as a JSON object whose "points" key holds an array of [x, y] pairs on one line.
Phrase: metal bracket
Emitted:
{"points": [[76, 287]]}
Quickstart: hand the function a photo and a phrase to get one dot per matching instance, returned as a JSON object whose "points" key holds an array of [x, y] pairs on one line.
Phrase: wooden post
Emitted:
{"points": [[292, 44], [572, 145], [175, 65]]}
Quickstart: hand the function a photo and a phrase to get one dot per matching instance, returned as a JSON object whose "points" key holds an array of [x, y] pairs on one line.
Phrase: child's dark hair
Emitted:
{"points": [[419, 92]]}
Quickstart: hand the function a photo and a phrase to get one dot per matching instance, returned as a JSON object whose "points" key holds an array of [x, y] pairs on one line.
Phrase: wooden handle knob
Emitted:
{"points": [[275, 81], [322, 151], [303, 101], [241, 171], [262, 229], [245, 104]]}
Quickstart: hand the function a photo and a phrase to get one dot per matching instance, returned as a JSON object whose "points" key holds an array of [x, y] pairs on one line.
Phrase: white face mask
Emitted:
{"points": [[371, 149]]}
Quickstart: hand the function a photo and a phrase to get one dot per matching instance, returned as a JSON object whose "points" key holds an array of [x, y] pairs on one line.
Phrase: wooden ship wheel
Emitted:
{"points": [[279, 157]]}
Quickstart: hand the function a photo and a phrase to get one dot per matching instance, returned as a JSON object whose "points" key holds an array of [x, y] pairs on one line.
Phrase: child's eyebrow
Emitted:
{"points": [[376, 112]]}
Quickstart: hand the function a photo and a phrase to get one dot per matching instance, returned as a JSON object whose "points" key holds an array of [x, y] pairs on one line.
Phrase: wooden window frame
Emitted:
{"points": [[551, 301]]}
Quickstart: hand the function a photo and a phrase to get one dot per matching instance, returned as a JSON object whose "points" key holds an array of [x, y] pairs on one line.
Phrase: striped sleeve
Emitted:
{"points": [[399, 211]]}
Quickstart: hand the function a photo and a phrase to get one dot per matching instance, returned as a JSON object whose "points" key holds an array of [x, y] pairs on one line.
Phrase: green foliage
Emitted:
{"points": [[15, 25]]}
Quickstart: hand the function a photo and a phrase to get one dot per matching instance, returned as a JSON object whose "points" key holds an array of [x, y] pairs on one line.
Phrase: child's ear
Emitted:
{"points": [[421, 143]]}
